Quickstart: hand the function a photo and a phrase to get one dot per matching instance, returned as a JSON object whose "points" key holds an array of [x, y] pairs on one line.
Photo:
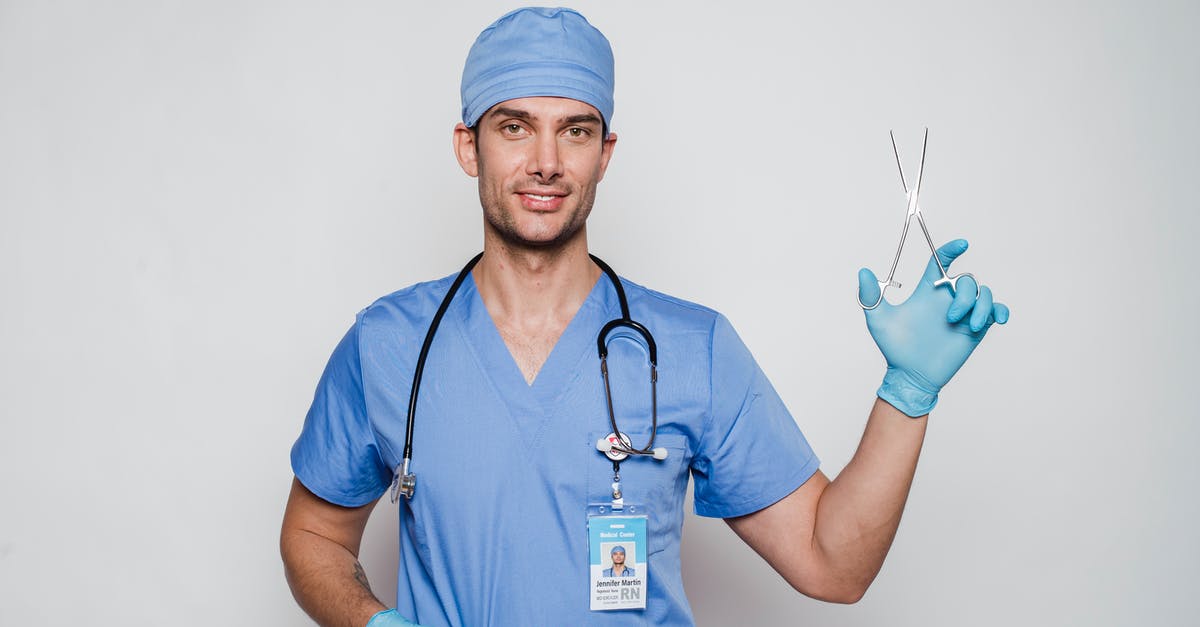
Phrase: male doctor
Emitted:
{"points": [[618, 568], [514, 402]]}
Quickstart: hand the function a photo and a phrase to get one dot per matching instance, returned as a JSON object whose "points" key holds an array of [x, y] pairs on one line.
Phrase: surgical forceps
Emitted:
{"points": [[914, 210]]}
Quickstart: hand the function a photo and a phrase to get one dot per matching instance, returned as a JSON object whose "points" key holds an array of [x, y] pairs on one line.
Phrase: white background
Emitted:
{"points": [[196, 197]]}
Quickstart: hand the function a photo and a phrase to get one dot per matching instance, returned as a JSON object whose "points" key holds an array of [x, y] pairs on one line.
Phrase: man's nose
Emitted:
{"points": [[544, 163]]}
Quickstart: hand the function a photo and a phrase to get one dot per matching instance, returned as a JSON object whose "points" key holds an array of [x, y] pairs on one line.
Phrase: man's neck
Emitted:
{"points": [[532, 295], [522, 284]]}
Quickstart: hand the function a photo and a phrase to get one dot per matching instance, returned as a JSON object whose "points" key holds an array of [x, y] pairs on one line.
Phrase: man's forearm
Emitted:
{"points": [[859, 512], [327, 580], [319, 543]]}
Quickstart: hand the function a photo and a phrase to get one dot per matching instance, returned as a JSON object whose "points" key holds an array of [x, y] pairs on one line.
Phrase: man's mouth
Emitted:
{"points": [[541, 202]]}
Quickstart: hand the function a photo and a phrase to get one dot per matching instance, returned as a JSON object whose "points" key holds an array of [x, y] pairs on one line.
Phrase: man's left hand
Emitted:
{"points": [[928, 337]]}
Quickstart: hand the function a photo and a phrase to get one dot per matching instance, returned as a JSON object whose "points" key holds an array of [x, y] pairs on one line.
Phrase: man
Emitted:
{"points": [[512, 408], [618, 568]]}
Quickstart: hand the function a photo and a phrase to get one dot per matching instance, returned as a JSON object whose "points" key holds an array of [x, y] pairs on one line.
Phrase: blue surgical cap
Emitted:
{"points": [[617, 548], [538, 52]]}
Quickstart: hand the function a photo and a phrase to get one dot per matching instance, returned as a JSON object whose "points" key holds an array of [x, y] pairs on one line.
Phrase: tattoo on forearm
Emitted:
{"points": [[360, 576]]}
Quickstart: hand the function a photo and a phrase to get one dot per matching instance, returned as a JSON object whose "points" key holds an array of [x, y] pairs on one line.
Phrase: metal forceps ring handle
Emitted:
{"points": [[915, 210]]}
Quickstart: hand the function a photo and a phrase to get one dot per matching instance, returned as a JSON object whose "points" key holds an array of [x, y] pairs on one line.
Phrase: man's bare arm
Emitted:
{"points": [[319, 543], [829, 539]]}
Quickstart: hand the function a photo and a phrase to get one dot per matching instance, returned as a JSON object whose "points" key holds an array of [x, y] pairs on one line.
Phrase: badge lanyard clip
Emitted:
{"points": [[612, 445], [618, 500]]}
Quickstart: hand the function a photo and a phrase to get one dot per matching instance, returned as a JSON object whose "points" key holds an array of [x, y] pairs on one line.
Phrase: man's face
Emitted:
{"points": [[618, 558], [538, 161]]}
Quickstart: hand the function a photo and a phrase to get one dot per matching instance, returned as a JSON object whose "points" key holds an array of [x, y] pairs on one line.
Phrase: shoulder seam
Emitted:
{"points": [[408, 291], [671, 299]]}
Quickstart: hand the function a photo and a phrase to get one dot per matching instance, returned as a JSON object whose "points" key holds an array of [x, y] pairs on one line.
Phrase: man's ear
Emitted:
{"points": [[606, 153], [465, 149]]}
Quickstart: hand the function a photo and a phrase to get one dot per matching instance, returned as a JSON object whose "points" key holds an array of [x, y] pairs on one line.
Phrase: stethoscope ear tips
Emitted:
{"points": [[660, 453]]}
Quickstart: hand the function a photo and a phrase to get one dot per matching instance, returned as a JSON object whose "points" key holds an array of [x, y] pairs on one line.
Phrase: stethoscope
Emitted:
{"points": [[616, 446]]}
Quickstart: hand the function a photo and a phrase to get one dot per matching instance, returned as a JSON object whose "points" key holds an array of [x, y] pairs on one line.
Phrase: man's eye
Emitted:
{"points": [[576, 132], [513, 128]]}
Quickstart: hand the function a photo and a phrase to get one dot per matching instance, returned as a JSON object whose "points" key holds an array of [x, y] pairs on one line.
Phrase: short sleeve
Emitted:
{"points": [[752, 454], [336, 456]]}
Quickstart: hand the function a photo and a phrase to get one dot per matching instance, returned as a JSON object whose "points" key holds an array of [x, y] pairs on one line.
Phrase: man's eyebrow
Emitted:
{"points": [[505, 112], [582, 118], [521, 114]]}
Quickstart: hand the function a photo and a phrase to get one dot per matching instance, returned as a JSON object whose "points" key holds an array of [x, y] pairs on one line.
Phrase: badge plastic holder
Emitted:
{"points": [[617, 527]]}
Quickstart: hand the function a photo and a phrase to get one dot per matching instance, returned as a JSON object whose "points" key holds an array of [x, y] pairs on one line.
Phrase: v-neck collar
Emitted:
{"points": [[567, 360]]}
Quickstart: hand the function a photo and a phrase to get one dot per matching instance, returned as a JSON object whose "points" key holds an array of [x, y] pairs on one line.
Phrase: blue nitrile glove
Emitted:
{"points": [[928, 338], [390, 618]]}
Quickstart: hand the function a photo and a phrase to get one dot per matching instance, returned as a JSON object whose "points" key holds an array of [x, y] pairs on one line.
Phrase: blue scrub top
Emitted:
{"points": [[496, 533]]}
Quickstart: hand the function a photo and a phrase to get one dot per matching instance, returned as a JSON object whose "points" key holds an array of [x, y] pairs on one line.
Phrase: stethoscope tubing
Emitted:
{"points": [[420, 370], [406, 482]]}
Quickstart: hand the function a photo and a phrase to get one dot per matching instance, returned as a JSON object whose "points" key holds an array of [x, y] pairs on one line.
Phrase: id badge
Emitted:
{"points": [[618, 551]]}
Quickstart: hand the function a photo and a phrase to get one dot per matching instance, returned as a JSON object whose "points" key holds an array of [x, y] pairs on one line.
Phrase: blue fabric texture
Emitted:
{"points": [[538, 52], [496, 533], [390, 618]]}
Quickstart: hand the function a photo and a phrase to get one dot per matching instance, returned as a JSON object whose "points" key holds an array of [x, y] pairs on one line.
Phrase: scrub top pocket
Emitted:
{"points": [[657, 485]]}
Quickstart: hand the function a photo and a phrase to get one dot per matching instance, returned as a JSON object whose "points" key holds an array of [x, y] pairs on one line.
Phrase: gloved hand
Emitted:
{"points": [[928, 338], [390, 618]]}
